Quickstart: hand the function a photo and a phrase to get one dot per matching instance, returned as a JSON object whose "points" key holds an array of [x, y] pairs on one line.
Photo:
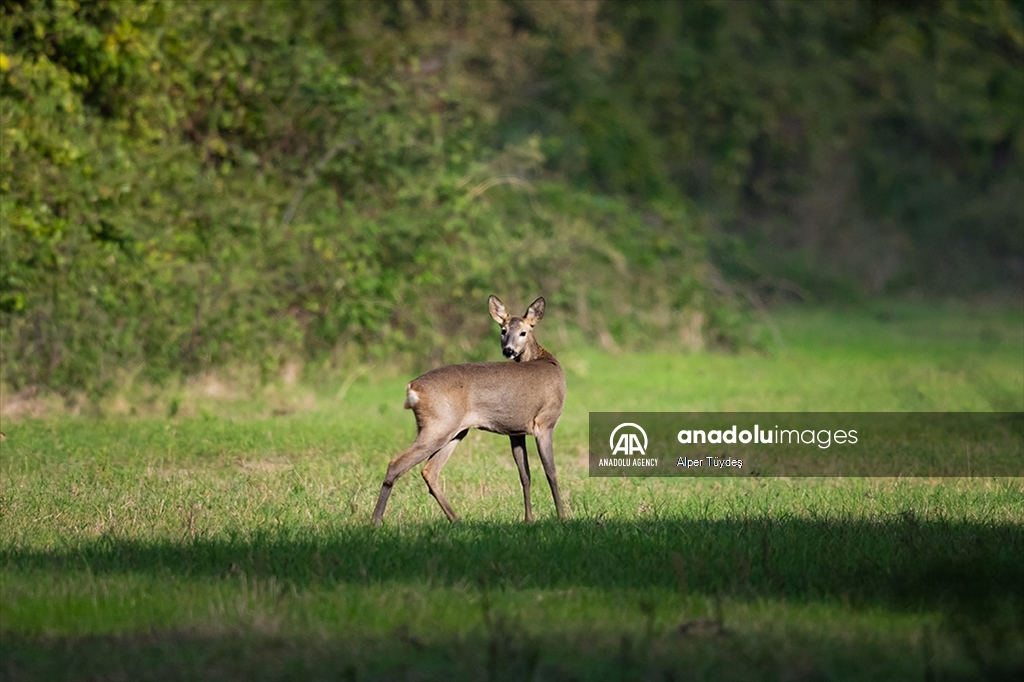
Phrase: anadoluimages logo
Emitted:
{"points": [[628, 442]]}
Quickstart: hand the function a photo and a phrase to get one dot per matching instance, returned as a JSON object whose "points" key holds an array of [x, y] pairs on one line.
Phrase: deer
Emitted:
{"points": [[517, 399]]}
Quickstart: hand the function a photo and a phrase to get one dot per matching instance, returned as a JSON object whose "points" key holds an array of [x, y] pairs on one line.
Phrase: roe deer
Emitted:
{"points": [[514, 399]]}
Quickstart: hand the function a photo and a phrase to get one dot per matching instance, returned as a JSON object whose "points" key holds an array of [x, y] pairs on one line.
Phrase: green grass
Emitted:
{"points": [[233, 544]]}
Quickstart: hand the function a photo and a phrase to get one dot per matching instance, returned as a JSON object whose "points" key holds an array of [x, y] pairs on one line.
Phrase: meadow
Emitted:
{"points": [[223, 533]]}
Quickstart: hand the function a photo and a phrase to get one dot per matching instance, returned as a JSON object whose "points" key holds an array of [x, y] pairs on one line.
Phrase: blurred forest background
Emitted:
{"points": [[193, 185]]}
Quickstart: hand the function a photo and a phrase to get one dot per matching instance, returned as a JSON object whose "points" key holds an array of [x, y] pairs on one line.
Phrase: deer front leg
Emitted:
{"points": [[523, 464], [547, 458]]}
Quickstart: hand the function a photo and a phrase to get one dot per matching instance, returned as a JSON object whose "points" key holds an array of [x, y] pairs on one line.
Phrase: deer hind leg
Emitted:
{"points": [[547, 458], [523, 464], [426, 445], [432, 469]]}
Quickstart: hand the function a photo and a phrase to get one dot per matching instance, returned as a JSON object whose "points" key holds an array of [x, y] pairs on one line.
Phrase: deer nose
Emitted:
{"points": [[507, 351]]}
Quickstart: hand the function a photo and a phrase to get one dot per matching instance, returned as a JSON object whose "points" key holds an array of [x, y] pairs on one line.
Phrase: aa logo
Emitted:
{"points": [[628, 442]]}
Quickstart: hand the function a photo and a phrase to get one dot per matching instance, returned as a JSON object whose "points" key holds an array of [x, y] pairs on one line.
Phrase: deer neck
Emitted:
{"points": [[534, 351]]}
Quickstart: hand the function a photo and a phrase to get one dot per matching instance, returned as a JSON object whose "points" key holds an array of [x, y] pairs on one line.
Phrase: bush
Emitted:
{"points": [[188, 186]]}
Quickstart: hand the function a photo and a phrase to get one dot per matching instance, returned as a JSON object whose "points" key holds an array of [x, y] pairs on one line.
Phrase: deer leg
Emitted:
{"points": [[547, 458], [422, 448], [523, 464], [432, 469]]}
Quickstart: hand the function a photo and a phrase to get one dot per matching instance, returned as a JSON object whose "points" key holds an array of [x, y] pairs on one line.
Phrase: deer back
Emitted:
{"points": [[509, 398]]}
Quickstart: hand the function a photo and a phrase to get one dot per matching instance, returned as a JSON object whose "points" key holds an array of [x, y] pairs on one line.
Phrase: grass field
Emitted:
{"points": [[232, 540]]}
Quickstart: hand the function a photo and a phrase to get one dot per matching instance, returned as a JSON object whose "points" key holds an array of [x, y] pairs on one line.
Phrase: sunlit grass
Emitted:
{"points": [[236, 543]]}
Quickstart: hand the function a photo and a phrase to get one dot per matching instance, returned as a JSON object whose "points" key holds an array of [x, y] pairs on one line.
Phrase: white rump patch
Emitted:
{"points": [[411, 397]]}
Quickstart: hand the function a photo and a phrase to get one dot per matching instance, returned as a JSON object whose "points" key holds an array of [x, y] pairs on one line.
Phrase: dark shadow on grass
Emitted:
{"points": [[496, 654], [970, 572], [898, 562]]}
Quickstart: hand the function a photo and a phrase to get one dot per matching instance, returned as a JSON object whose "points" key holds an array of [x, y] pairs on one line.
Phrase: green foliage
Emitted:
{"points": [[191, 185], [851, 147], [187, 185]]}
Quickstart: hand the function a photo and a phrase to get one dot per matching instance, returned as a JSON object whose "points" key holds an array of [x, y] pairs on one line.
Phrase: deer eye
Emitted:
{"points": [[504, 331], [522, 333]]}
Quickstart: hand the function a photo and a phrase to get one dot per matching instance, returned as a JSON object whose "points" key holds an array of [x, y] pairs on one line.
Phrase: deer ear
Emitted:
{"points": [[497, 309], [535, 313]]}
